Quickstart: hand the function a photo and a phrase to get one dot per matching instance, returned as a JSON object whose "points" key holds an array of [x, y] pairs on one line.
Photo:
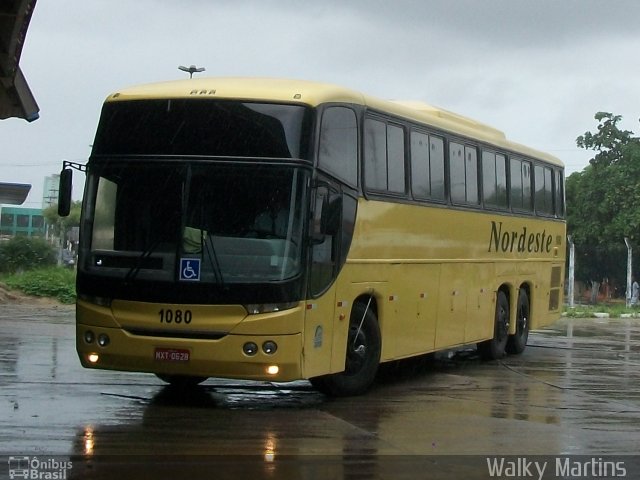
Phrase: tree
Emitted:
{"points": [[60, 224], [603, 201]]}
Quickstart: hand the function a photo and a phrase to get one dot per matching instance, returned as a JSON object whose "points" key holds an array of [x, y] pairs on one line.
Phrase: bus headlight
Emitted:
{"points": [[256, 308], [103, 340], [250, 349], [101, 301], [269, 347], [89, 336]]}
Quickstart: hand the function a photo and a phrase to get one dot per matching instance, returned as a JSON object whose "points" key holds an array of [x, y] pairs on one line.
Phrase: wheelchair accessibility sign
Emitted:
{"points": [[190, 269]]}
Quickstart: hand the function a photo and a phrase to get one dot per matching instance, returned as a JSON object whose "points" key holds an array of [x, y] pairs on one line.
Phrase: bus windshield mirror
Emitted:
{"points": [[64, 192]]}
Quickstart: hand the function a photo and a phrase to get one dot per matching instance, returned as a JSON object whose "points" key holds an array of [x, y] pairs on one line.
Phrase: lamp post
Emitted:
{"points": [[629, 258], [191, 70], [572, 270]]}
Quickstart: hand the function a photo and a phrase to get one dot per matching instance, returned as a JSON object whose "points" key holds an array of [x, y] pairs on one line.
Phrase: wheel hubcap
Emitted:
{"points": [[356, 351]]}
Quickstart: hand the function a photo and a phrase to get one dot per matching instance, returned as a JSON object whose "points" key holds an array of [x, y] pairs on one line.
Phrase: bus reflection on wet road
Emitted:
{"points": [[575, 391]]}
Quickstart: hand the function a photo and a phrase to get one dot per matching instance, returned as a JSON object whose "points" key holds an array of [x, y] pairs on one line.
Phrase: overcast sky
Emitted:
{"points": [[537, 69]]}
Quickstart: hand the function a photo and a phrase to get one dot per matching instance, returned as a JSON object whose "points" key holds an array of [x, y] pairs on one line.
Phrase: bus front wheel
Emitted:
{"points": [[364, 344], [518, 341], [496, 347]]}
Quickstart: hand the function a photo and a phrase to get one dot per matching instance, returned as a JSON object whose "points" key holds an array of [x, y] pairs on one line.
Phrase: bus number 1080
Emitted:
{"points": [[168, 315]]}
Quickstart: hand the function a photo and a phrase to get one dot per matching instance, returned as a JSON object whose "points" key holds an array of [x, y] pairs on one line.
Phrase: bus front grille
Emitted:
{"points": [[196, 335]]}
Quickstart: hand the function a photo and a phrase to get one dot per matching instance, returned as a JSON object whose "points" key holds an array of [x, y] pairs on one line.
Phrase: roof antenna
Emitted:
{"points": [[191, 70]]}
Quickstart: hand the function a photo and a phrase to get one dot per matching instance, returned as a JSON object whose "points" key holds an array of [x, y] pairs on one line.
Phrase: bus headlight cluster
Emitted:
{"points": [[269, 347], [90, 337], [251, 348]]}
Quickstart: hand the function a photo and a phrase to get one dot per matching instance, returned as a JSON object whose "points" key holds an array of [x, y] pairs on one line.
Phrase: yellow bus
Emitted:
{"points": [[279, 230]]}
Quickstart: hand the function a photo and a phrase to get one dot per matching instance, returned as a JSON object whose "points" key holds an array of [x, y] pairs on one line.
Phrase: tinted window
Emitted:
{"points": [[6, 220], [501, 181], [375, 154], [203, 127], [37, 221], [427, 166], [463, 161], [395, 159], [544, 190], [384, 157], [338, 152], [457, 172], [559, 193], [420, 169], [494, 179], [520, 184], [437, 167], [471, 174], [23, 221]]}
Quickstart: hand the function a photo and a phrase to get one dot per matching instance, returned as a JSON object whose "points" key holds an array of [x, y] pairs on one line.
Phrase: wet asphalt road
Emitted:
{"points": [[575, 391]]}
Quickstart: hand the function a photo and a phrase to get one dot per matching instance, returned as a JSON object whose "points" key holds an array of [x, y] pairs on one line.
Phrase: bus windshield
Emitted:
{"points": [[195, 221], [220, 128]]}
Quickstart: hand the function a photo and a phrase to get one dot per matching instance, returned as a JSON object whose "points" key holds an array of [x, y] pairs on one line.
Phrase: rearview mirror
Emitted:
{"points": [[64, 192]]}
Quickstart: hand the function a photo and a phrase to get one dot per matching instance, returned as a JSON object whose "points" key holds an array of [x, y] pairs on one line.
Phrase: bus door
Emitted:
{"points": [[331, 229]]}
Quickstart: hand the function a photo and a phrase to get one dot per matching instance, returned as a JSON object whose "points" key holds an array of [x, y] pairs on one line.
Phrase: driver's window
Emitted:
{"points": [[323, 252]]}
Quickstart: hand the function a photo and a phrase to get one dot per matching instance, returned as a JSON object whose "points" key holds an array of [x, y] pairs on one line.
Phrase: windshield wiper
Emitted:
{"points": [[146, 253], [213, 258]]}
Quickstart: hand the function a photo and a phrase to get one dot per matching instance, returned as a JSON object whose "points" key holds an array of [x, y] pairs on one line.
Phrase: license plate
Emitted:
{"points": [[173, 355]]}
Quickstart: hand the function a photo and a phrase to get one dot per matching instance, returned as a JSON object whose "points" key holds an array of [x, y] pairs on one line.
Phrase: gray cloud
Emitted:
{"points": [[538, 69]]}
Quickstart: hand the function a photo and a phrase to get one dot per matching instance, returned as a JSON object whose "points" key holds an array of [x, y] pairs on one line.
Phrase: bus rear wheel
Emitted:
{"points": [[496, 347], [518, 341], [364, 344], [181, 381]]}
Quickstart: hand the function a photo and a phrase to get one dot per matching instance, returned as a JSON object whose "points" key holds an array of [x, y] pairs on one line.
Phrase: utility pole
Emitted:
{"points": [[629, 267], [572, 271]]}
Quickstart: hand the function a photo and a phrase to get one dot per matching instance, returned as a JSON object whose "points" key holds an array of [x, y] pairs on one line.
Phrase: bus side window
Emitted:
{"points": [[559, 194], [338, 152], [544, 190], [494, 179], [520, 185]]}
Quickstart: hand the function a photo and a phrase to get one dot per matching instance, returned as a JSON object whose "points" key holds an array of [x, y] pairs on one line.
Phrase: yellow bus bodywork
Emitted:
{"points": [[432, 272]]}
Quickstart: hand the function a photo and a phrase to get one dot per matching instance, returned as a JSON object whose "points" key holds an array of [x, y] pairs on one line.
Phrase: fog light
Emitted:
{"points": [[269, 347], [93, 357], [103, 340], [89, 337], [273, 369], [250, 349]]}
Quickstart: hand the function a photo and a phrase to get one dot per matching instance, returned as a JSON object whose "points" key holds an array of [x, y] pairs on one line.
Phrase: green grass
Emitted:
{"points": [[53, 282], [613, 309]]}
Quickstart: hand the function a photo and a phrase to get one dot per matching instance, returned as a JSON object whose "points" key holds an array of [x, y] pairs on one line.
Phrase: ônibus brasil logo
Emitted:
{"points": [[38, 468]]}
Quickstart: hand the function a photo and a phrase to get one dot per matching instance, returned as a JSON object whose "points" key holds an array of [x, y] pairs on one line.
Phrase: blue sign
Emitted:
{"points": [[190, 269]]}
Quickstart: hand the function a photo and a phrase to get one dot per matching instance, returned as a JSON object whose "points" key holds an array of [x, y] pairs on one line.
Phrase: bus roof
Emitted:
{"points": [[314, 94]]}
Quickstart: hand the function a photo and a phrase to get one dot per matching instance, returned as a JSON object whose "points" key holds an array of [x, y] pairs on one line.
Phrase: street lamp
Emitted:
{"points": [[191, 70], [629, 270]]}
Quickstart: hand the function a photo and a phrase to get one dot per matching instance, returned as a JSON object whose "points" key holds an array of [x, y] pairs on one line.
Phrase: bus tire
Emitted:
{"points": [[518, 341], [364, 345], [181, 381], [496, 347]]}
